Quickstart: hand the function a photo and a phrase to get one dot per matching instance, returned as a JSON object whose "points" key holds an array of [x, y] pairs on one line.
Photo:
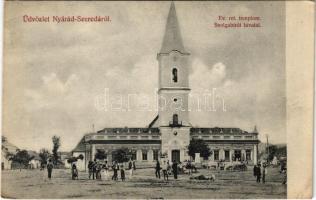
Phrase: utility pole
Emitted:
{"points": [[92, 128], [267, 136]]}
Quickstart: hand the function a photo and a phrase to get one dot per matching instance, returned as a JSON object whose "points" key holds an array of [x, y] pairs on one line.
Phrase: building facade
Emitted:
{"points": [[169, 134]]}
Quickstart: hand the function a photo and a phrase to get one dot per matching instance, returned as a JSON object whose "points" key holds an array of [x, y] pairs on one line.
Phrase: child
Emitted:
{"points": [[122, 173], [74, 172]]}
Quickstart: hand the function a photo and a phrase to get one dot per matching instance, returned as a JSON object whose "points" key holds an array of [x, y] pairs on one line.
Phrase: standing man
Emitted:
{"points": [[50, 167], [175, 169], [258, 173], [264, 173], [134, 165], [90, 168], [115, 168], [255, 171], [122, 172], [157, 169], [94, 169], [189, 167]]}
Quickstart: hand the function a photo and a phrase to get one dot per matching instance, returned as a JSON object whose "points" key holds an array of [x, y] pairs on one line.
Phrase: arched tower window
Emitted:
{"points": [[175, 75], [175, 119]]}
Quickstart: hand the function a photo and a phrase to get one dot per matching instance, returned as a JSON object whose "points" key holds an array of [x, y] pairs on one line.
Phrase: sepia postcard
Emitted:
{"points": [[157, 100]]}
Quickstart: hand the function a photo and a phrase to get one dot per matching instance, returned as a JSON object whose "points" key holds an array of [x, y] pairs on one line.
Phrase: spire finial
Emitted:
{"points": [[255, 129]]}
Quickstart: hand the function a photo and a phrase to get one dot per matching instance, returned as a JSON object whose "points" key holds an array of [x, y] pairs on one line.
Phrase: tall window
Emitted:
{"points": [[155, 154], [227, 156], [216, 155], [248, 154], [175, 119], [175, 75], [133, 155], [144, 155]]}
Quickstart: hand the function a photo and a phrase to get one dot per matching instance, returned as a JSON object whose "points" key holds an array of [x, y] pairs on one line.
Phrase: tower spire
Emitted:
{"points": [[172, 39], [255, 129]]}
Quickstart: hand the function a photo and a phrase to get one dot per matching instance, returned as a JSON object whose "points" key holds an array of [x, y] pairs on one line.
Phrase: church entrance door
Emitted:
{"points": [[175, 155]]}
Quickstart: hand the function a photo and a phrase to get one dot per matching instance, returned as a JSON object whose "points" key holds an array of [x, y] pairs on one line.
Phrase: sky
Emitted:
{"points": [[56, 75]]}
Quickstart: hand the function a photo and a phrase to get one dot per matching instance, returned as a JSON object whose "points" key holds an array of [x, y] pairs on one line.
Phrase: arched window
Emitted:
{"points": [[175, 119], [175, 75]]}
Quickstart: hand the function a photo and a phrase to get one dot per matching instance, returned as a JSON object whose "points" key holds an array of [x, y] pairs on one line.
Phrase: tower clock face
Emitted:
{"points": [[175, 133]]}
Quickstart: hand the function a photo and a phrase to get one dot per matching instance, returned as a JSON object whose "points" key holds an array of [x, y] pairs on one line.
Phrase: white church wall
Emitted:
{"points": [[80, 163]]}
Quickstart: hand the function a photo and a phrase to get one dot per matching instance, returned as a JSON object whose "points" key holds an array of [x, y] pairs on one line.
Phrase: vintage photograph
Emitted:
{"points": [[144, 100]]}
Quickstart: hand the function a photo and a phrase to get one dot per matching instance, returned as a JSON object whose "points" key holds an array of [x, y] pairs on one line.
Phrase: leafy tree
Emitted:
{"points": [[100, 155], [44, 155], [121, 155], [75, 159], [198, 146], [22, 158], [275, 150], [56, 145]]}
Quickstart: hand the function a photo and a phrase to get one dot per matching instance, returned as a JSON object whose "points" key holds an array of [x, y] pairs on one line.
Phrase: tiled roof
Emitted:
{"points": [[80, 146], [217, 130], [127, 130], [7, 146], [34, 154], [154, 122], [64, 153], [193, 130]]}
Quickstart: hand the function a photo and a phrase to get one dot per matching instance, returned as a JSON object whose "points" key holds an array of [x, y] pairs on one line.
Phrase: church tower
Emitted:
{"points": [[173, 91]]}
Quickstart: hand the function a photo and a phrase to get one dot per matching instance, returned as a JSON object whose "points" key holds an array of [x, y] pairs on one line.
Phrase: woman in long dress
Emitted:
{"points": [[106, 170]]}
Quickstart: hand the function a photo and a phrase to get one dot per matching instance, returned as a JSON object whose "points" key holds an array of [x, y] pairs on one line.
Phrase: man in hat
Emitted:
{"points": [[50, 167]]}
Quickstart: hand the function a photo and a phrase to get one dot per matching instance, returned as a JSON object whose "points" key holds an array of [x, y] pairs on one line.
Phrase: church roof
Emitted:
{"points": [[172, 39], [217, 130], [154, 123], [127, 130]]}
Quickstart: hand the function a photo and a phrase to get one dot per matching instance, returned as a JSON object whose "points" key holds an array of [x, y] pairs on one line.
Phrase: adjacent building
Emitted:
{"points": [[6, 149], [35, 162]]}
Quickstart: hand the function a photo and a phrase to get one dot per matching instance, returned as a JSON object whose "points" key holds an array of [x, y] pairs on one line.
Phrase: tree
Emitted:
{"points": [[100, 155], [275, 150], [44, 155], [75, 159], [56, 145], [121, 155], [198, 146], [22, 158]]}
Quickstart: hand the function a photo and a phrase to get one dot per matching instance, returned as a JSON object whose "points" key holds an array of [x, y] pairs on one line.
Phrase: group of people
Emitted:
{"points": [[260, 173], [166, 169], [96, 168]]}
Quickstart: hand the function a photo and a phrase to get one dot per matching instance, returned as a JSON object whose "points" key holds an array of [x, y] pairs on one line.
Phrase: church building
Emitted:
{"points": [[169, 134]]}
